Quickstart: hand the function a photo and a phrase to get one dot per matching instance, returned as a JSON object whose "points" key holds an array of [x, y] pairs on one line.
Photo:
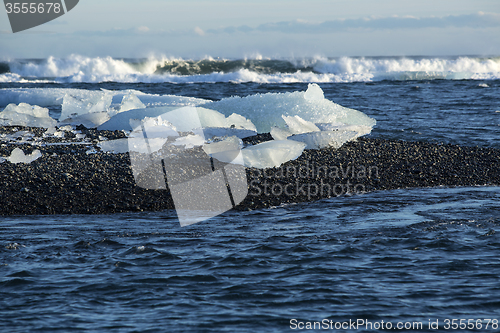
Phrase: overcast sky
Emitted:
{"points": [[271, 28]]}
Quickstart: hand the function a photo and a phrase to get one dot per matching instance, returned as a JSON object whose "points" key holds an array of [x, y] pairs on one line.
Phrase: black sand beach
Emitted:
{"points": [[67, 180]]}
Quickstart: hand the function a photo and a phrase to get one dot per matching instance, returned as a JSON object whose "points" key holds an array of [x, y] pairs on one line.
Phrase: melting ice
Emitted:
{"points": [[297, 121]]}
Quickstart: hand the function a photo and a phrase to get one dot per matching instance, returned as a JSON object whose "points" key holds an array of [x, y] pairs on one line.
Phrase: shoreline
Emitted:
{"points": [[68, 180]]}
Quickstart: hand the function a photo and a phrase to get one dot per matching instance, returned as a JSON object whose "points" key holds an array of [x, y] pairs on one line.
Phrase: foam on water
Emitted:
{"points": [[76, 68]]}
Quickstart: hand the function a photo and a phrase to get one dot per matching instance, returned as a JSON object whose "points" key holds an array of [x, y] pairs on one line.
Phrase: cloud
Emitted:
{"points": [[199, 31], [142, 29], [477, 20]]}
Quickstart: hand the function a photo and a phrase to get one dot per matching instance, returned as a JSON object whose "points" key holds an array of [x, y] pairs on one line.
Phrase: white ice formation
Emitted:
{"points": [[18, 156], [296, 120], [268, 154], [26, 115], [266, 110]]}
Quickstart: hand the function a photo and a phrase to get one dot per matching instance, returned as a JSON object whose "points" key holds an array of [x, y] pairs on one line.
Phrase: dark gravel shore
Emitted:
{"points": [[67, 179]]}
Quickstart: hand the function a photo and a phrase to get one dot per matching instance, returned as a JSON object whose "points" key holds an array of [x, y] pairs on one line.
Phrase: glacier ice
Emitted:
{"points": [[264, 155], [89, 120], [266, 110], [227, 150], [297, 125], [184, 119], [117, 146], [219, 132], [324, 139], [18, 156], [26, 115], [121, 121], [272, 154], [239, 122], [154, 127], [189, 141], [319, 135], [130, 102], [54, 96], [73, 106], [139, 145], [280, 133], [314, 93]]}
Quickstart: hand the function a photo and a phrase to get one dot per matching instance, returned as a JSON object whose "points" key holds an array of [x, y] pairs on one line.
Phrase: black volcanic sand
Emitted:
{"points": [[66, 179]]}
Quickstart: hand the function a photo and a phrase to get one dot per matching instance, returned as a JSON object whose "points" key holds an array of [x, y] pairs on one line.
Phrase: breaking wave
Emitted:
{"points": [[77, 68]]}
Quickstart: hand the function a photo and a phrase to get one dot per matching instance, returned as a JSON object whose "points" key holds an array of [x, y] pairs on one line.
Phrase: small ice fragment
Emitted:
{"points": [[121, 121], [50, 131], [118, 146], [89, 120], [72, 107], [66, 128], [238, 121], [272, 153], [218, 132], [131, 102], [279, 133], [26, 115], [297, 125], [189, 141], [314, 93], [138, 144], [2, 159], [360, 129], [155, 127], [18, 156], [227, 151], [324, 139]]}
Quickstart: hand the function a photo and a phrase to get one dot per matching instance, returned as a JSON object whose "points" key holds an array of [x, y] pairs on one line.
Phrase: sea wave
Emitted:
{"points": [[77, 68]]}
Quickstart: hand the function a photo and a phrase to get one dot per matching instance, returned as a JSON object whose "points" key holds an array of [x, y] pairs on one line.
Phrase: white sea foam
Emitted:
{"points": [[76, 68]]}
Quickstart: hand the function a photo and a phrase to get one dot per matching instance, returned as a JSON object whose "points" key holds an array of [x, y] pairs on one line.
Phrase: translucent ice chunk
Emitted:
{"points": [[297, 125], [189, 141], [360, 129], [218, 132], [121, 121], [265, 110], [34, 111], [131, 102], [155, 127], [118, 146], [26, 115], [138, 144], [227, 151], [314, 93], [18, 156], [240, 122], [72, 106], [279, 133], [324, 139], [89, 120], [272, 153]]}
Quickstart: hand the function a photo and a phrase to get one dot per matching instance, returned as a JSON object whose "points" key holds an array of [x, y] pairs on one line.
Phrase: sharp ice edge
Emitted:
{"points": [[297, 121], [26, 115], [267, 110], [18, 156]]}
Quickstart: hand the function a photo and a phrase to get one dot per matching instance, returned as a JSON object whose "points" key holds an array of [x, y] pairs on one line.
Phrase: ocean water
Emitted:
{"points": [[405, 257]]}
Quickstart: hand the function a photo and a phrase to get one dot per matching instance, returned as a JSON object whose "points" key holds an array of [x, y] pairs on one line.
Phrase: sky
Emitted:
{"points": [[273, 28]]}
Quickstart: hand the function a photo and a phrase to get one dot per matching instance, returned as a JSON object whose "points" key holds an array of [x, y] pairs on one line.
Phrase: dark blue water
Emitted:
{"points": [[409, 255]]}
